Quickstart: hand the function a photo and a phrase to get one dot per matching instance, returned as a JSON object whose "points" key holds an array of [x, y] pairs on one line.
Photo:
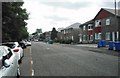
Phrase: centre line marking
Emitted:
{"points": [[32, 72], [31, 62]]}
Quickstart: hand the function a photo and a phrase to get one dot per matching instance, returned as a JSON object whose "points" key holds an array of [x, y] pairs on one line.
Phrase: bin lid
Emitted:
{"points": [[117, 42]]}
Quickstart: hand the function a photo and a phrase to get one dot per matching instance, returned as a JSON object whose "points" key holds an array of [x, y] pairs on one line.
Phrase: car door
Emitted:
{"points": [[1, 65], [11, 70]]}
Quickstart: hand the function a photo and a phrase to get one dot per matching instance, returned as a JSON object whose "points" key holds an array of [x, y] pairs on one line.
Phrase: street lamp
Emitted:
{"points": [[116, 22]]}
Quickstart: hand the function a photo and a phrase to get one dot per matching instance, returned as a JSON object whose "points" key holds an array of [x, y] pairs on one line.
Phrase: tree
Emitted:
{"points": [[13, 21], [53, 34]]}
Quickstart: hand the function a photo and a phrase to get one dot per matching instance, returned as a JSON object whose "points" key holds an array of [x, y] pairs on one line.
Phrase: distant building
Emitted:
{"points": [[59, 29], [70, 33], [86, 34], [47, 35], [59, 33]]}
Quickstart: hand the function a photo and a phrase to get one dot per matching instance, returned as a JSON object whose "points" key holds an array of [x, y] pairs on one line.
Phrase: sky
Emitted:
{"points": [[46, 14]]}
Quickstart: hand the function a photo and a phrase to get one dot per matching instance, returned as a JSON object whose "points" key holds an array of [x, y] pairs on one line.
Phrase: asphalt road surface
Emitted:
{"points": [[42, 59]]}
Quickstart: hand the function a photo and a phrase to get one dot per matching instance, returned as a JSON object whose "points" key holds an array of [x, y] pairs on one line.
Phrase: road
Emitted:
{"points": [[43, 59]]}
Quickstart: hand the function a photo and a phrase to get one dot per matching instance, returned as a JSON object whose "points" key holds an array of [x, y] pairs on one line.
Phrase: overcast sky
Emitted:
{"points": [[46, 14]]}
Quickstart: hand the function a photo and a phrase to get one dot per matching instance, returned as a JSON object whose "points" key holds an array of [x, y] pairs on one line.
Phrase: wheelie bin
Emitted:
{"points": [[117, 46], [103, 43], [111, 45], [99, 44]]}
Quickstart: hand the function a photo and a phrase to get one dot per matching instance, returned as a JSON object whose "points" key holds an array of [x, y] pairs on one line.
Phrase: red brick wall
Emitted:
{"points": [[90, 32], [97, 29], [102, 14]]}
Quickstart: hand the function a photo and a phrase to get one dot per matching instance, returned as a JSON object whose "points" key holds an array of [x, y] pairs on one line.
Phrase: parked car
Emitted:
{"points": [[8, 63], [28, 43], [23, 45], [50, 41], [16, 48]]}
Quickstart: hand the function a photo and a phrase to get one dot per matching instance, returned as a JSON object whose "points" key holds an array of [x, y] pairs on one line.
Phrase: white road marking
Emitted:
{"points": [[48, 48], [32, 72], [31, 62]]}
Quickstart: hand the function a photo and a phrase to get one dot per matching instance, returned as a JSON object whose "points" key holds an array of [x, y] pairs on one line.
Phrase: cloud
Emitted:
{"points": [[68, 5], [56, 18], [107, 4]]}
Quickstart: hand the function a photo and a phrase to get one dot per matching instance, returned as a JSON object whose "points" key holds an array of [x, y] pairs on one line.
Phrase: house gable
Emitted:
{"points": [[102, 14]]}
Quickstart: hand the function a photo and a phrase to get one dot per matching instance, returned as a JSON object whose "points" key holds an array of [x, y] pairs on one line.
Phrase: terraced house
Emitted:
{"points": [[104, 26], [86, 32], [70, 33], [107, 25]]}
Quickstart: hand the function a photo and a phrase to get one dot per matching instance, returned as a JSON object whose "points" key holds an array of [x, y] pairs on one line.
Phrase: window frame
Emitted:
{"points": [[107, 36], [107, 21], [97, 23], [84, 27]]}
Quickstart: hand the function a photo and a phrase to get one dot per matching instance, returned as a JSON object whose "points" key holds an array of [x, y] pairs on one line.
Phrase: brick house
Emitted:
{"points": [[106, 26], [86, 34], [70, 33], [59, 33]]}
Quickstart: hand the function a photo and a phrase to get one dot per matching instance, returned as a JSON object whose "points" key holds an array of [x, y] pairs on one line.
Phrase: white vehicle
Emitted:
{"points": [[17, 49], [28, 43], [8, 63]]}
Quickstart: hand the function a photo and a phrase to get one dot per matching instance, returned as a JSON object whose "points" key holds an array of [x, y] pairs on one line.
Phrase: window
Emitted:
{"points": [[72, 38], [84, 27], [64, 31], [84, 37], [97, 36], [97, 23], [91, 37], [107, 21], [90, 26], [117, 35], [108, 36]]}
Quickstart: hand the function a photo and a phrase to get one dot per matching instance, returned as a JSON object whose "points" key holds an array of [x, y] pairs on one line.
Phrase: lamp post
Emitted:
{"points": [[116, 22]]}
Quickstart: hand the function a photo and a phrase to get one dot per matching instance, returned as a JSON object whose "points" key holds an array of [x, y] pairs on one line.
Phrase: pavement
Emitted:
{"points": [[92, 48]]}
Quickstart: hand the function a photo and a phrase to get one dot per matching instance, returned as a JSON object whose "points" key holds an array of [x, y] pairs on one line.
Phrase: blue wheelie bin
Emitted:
{"points": [[103, 43], [111, 45], [99, 44], [117, 46]]}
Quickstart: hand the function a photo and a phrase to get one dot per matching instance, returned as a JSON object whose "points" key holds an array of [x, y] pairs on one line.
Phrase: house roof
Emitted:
{"points": [[112, 11], [75, 26], [88, 22]]}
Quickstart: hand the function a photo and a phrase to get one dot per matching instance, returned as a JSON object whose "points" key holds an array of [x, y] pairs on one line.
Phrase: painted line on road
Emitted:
{"points": [[32, 72], [31, 62]]}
